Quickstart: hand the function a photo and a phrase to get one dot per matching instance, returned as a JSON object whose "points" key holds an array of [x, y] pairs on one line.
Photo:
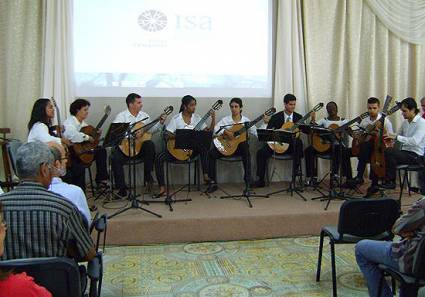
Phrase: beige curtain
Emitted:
{"points": [[351, 55], [20, 62]]}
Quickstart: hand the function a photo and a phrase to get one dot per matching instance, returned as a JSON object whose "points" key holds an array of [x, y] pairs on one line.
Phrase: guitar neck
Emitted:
{"points": [[149, 126], [102, 121], [248, 126], [348, 124], [202, 121]]}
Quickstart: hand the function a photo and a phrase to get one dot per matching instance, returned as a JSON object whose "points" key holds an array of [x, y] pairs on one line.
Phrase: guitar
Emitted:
{"points": [[281, 147], [182, 154], [321, 146], [226, 146], [131, 147], [83, 150], [58, 129]]}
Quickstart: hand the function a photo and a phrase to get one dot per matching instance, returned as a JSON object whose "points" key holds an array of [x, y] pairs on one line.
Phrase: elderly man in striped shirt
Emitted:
{"points": [[41, 223]]}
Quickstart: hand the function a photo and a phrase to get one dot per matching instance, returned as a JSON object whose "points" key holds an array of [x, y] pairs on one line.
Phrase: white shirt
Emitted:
{"points": [[326, 122], [412, 135], [228, 120], [73, 194], [1, 191], [177, 122], [126, 117], [387, 124], [40, 132], [72, 130]]}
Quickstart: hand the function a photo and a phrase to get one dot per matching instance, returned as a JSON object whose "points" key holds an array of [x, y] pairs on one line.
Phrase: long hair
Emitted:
{"points": [[186, 100], [4, 274], [38, 113]]}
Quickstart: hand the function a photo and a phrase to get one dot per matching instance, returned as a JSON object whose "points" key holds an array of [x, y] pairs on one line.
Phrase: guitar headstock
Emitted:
{"points": [[363, 116], [270, 111], [54, 102], [107, 110], [317, 107], [396, 107], [217, 105], [388, 100], [168, 110]]}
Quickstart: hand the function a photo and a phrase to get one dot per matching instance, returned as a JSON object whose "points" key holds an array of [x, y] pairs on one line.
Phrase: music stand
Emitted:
{"points": [[116, 133], [283, 136]]}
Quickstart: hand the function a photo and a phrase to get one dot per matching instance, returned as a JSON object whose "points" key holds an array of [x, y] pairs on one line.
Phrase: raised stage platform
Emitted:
{"points": [[215, 219]]}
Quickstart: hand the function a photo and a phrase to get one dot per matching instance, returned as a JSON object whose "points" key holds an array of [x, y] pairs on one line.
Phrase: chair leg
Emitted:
{"points": [[402, 187], [188, 178], [332, 244], [319, 258], [198, 175], [91, 183]]}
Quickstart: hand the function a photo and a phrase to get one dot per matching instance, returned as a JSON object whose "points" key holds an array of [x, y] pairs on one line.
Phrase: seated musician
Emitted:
{"points": [[79, 110], [366, 147], [186, 119], [310, 152], [411, 137], [131, 115], [243, 148], [40, 124], [276, 122]]}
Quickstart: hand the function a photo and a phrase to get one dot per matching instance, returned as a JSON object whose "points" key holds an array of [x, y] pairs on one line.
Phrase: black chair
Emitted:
{"points": [[60, 276], [403, 176], [416, 278], [358, 219]]}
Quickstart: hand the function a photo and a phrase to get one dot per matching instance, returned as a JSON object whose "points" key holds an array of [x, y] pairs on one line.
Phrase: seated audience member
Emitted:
{"points": [[398, 255], [72, 193], [56, 228], [19, 284]]}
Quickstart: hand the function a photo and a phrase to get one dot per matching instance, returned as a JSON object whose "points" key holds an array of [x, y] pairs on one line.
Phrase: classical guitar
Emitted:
{"points": [[58, 130], [227, 146], [83, 150], [281, 147], [131, 147], [182, 154]]}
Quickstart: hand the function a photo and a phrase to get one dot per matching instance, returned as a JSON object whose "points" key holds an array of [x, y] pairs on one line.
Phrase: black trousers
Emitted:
{"points": [[166, 156], [118, 159], [366, 149], [242, 150], [311, 161], [266, 152], [76, 174]]}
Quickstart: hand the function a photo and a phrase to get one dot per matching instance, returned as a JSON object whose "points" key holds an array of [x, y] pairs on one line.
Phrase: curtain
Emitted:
{"points": [[58, 72], [404, 18]]}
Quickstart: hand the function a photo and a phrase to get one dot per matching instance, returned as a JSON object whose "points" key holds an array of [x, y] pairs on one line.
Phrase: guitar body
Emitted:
{"points": [[318, 144], [377, 159], [126, 145], [228, 147], [281, 147], [80, 148], [179, 154]]}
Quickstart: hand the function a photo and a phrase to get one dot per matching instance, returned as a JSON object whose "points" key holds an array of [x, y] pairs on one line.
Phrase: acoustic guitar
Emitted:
{"points": [[281, 147], [131, 147], [58, 130], [226, 146], [83, 150], [182, 154]]}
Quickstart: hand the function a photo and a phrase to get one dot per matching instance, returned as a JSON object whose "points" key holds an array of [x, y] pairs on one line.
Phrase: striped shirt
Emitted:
{"points": [[41, 224]]}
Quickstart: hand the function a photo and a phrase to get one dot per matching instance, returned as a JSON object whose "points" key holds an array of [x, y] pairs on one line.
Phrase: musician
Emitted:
{"points": [[366, 148], [186, 119], [311, 154], [40, 123], [243, 148], [276, 122], [131, 115], [79, 110], [411, 136]]}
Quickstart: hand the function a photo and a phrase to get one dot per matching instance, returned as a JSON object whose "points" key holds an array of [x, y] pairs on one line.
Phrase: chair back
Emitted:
{"points": [[12, 149], [367, 218], [60, 276], [419, 260]]}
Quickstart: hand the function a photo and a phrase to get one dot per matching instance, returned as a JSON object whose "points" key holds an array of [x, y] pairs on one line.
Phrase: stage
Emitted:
{"points": [[214, 219]]}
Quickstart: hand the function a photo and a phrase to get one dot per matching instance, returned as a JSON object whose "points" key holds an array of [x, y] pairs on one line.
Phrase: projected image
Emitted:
{"points": [[168, 48]]}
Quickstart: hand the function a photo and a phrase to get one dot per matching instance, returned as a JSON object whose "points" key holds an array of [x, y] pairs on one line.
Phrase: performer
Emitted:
{"points": [[276, 122], [186, 119], [311, 154], [41, 121], [131, 115], [79, 110], [243, 148], [411, 136], [366, 148]]}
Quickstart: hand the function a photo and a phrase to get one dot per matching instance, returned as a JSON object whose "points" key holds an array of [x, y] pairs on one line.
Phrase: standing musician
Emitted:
{"points": [[186, 119], [131, 115], [276, 122], [366, 148], [243, 148], [79, 110], [411, 136], [41, 121], [311, 154]]}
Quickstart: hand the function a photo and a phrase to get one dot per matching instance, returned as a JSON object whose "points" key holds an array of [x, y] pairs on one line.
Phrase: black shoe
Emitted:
{"points": [[159, 195], [370, 191], [389, 185], [312, 182], [212, 187], [356, 181], [122, 193], [259, 184]]}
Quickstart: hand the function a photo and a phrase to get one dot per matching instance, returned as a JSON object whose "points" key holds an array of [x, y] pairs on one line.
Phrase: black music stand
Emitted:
{"points": [[283, 136], [116, 133]]}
